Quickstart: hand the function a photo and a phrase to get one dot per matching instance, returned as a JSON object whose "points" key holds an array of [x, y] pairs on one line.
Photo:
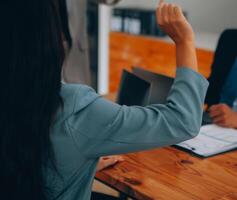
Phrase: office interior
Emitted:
{"points": [[129, 37], [117, 48]]}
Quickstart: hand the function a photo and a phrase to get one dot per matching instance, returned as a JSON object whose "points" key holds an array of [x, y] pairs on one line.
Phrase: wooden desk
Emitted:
{"points": [[170, 174]]}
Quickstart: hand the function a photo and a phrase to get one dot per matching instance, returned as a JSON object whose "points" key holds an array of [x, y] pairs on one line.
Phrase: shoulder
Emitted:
{"points": [[76, 97]]}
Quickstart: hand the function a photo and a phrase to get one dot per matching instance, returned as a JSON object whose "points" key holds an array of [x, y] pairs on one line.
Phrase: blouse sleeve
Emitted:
{"points": [[105, 128]]}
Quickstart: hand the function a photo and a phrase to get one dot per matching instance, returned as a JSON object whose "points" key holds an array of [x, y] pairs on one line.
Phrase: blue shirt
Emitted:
{"points": [[88, 126], [229, 91]]}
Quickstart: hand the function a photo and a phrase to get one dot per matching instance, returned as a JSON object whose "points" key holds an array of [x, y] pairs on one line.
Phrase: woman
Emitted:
{"points": [[51, 134]]}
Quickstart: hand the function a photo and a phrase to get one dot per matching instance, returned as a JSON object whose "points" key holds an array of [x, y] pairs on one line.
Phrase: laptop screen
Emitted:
{"points": [[133, 90], [160, 84]]}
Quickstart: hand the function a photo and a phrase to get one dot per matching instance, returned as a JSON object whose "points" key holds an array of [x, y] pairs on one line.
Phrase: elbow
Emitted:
{"points": [[194, 133], [188, 132], [188, 122], [187, 118], [193, 125], [184, 128]]}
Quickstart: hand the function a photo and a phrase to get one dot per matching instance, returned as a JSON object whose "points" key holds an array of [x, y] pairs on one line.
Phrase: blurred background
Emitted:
{"points": [[128, 36]]}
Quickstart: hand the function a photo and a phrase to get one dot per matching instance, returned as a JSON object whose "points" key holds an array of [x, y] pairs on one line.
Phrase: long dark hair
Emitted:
{"points": [[31, 57], [63, 13]]}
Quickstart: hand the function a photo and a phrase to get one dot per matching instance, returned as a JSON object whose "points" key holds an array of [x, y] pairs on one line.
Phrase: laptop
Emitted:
{"points": [[133, 91], [160, 85]]}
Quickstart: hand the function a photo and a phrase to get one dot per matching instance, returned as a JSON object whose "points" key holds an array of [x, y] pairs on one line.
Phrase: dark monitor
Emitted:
{"points": [[160, 85], [133, 90]]}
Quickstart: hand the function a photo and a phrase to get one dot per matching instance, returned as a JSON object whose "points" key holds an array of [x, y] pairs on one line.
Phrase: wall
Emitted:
{"points": [[104, 29], [205, 15]]}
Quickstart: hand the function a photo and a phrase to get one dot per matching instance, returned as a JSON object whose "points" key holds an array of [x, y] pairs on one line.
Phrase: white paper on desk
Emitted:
{"points": [[212, 140]]}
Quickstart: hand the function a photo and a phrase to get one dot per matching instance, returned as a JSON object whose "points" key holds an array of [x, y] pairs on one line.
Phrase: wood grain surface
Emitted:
{"points": [[169, 173]]}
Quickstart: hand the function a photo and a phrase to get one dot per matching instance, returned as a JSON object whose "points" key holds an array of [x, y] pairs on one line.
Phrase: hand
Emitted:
{"points": [[108, 161], [171, 19], [223, 115]]}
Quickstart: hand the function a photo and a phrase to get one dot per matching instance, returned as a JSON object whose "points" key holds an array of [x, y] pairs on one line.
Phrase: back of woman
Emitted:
{"points": [[52, 135]]}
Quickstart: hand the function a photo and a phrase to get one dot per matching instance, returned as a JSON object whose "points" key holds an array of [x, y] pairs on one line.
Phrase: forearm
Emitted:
{"points": [[171, 19], [186, 55]]}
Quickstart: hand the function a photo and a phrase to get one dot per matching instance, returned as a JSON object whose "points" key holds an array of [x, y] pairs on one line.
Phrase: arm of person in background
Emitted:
{"points": [[223, 115]]}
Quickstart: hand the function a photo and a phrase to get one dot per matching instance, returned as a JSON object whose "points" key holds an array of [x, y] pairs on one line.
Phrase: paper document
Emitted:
{"points": [[212, 140]]}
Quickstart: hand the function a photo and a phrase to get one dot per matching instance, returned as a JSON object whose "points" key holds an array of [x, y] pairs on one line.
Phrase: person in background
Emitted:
{"points": [[222, 93], [52, 134], [225, 113]]}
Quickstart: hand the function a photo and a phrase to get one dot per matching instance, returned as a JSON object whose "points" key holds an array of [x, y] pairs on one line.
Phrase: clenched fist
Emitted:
{"points": [[171, 19]]}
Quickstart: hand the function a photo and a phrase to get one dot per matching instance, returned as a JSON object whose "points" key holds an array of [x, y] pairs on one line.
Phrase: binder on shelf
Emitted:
{"points": [[135, 21], [117, 24]]}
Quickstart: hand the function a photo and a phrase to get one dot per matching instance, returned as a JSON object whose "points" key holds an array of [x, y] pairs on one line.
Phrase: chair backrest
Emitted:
{"points": [[225, 56]]}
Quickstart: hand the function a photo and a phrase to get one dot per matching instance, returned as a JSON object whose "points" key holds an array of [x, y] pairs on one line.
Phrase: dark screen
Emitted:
{"points": [[133, 90], [160, 85]]}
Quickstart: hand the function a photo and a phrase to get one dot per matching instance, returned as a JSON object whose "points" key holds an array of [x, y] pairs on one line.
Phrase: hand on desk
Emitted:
{"points": [[108, 161], [223, 115]]}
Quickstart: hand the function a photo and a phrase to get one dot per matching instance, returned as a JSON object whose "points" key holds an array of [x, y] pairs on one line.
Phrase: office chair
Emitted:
{"points": [[224, 58]]}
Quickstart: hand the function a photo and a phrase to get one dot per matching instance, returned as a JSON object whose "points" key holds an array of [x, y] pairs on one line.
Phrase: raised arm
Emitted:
{"points": [[105, 128], [173, 22]]}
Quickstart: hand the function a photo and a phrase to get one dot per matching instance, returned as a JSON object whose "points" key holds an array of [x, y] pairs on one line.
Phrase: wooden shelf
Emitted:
{"points": [[153, 54]]}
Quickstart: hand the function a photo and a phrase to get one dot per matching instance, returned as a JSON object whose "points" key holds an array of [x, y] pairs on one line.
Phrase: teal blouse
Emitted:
{"points": [[88, 126]]}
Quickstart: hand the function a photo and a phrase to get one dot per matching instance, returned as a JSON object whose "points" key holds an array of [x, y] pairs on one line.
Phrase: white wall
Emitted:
{"points": [[104, 29], [205, 15]]}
